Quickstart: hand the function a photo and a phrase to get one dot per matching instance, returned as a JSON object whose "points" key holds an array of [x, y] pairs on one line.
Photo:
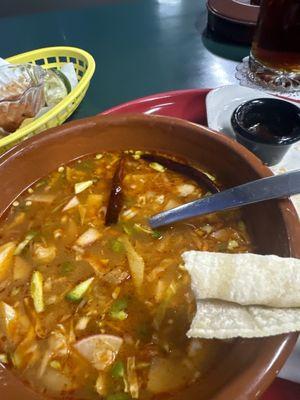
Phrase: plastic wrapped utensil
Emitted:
{"points": [[21, 94]]}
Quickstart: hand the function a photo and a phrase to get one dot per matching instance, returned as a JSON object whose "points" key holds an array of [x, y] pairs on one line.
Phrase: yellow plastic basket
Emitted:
{"points": [[54, 57]]}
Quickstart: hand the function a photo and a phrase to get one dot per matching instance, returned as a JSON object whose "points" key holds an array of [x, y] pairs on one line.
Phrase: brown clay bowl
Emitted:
{"points": [[251, 365]]}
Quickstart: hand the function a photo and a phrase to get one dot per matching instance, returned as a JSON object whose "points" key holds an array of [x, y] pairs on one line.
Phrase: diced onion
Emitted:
{"points": [[185, 189], [81, 186], [88, 237], [71, 204], [132, 378], [157, 167], [41, 198], [136, 263], [8, 316], [6, 256], [82, 323]]}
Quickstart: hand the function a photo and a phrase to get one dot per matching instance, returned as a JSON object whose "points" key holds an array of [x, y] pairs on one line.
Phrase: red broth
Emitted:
{"points": [[96, 311]]}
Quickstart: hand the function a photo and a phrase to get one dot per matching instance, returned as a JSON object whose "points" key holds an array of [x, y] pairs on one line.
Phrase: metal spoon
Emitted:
{"points": [[273, 187]]}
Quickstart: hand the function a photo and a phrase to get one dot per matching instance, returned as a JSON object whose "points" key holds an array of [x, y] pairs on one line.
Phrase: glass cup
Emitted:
{"points": [[275, 54]]}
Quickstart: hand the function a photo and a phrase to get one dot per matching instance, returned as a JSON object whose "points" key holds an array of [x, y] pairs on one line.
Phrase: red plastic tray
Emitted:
{"points": [[190, 105]]}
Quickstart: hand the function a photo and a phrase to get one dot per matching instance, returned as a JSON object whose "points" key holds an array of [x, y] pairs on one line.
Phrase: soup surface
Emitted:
{"points": [[97, 310]]}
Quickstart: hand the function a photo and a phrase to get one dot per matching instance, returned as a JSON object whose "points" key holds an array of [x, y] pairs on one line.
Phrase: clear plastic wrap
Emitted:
{"points": [[21, 94]]}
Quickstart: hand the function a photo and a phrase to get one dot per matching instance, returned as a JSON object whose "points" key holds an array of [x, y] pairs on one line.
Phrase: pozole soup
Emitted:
{"points": [[94, 303]]}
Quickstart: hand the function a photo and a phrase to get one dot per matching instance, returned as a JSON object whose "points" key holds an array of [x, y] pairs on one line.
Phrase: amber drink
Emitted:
{"points": [[275, 52]]}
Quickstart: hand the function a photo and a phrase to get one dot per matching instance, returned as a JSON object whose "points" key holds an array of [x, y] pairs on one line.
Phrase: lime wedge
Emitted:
{"points": [[57, 87]]}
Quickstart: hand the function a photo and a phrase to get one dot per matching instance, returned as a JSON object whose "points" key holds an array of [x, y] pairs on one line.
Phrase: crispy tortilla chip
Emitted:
{"points": [[246, 279], [222, 320]]}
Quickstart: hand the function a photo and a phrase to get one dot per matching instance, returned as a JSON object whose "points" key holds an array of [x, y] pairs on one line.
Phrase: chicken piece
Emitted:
{"points": [[42, 254]]}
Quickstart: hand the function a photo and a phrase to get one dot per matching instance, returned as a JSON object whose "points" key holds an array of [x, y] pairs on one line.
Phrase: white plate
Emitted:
{"points": [[220, 104]]}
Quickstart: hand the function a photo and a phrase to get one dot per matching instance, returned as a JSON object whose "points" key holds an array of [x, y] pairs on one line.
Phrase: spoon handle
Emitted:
{"points": [[273, 187]]}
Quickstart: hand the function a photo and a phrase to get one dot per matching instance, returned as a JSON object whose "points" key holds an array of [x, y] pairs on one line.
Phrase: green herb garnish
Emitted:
{"points": [[118, 370], [128, 229], [117, 246], [36, 291], [117, 309], [144, 332], [156, 234], [67, 267], [79, 291], [85, 165], [21, 246]]}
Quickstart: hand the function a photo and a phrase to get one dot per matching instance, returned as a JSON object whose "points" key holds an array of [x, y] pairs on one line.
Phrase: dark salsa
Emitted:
{"points": [[94, 304]]}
